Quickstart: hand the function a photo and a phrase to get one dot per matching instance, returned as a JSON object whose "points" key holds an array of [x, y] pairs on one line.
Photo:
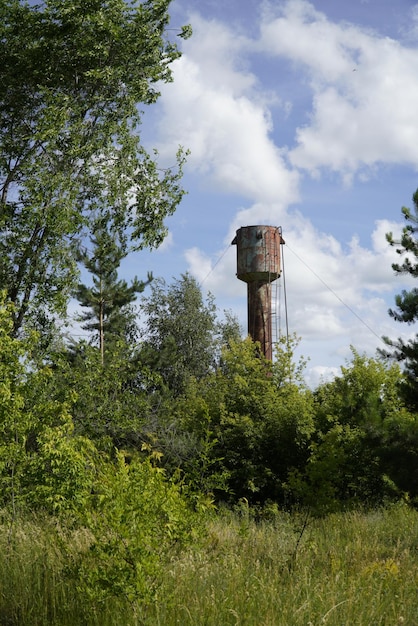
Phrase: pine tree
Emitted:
{"points": [[407, 303], [109, 300]]}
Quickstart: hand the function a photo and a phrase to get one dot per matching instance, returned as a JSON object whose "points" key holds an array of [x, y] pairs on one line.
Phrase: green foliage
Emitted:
{"points": [[74, 76], [358, 428], [407, 304], [399, 453], [109, 299], [138, 521], [187, 437], [60, 473], [112, 401], [249, 423], [43, 465], [14, 424], [181, 333]]}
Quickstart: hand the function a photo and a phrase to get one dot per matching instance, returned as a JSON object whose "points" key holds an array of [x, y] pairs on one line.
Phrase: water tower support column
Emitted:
{"points": [[259, 315]]}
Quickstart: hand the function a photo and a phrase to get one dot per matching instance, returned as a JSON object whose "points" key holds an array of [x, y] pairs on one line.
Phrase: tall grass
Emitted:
{"points": [[354, 569], [37, 586], [357, 569]]}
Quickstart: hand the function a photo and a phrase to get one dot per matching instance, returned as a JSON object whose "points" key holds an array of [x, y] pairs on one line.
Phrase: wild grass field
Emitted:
{"points": [[352, 569]]}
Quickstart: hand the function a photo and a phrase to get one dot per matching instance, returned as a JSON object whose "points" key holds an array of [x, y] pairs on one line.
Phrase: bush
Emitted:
{"points": [[137, 521]]}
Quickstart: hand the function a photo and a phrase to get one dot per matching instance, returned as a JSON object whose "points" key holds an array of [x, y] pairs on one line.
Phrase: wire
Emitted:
{"points": [[212, 268], [278, 287], [284, 290], [336, 295]]}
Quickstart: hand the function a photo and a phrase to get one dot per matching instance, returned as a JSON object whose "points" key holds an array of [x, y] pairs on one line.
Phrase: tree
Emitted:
{"points": [[361, 425], [249, 425], [42, 462], [182, 336], [111, 402], [407, 303], [14, 423], [138, 522], [108, 300], [73, 76]]}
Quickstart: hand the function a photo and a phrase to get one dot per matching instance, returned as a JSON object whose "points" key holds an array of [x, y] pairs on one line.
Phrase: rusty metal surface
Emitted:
{"points": [[258, 253], [258, 264], [259, 315]]}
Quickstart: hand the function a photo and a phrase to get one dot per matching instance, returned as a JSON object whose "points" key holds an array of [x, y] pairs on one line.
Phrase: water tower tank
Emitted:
{"points": [[258, 253], [258, 264]]}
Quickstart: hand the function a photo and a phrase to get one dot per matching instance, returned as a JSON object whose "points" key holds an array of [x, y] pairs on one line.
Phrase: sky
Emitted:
{"points": [[301, 115]]}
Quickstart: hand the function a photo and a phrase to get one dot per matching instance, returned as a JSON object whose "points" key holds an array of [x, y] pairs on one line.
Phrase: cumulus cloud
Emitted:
{"points": [[330, 283], [320, 374], [362, 105], [364, 92], [334, 293], [214, 108]]}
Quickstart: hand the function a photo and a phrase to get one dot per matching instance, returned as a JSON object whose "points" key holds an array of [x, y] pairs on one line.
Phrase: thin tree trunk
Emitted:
{"points": [[101, 322]]}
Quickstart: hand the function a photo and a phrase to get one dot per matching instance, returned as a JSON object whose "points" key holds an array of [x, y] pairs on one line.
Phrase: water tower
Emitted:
{"points": [[258, 265]]}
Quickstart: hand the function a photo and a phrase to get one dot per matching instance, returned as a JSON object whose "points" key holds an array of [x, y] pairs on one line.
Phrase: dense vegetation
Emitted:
{"points": [[348, 568], [138, 465]]}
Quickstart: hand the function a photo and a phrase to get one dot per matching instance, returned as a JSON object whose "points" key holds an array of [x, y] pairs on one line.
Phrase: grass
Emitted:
{"points": [[357, 569], [352, 569]]}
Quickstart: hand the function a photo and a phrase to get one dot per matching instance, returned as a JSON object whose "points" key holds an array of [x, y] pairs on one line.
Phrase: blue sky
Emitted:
{"points": [[301, 115]]}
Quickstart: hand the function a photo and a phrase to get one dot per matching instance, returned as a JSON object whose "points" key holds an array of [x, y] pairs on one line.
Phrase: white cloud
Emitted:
{"points": [[213, 108], [364, 91], [338, 291], [320, 374], [303, 34], [411, 32], [200, 265]]}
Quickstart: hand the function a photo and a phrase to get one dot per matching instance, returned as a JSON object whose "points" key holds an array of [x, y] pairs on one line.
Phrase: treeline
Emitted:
{"points": [[204, 406]]}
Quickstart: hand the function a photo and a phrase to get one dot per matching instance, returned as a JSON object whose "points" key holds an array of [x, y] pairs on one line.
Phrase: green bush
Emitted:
{"points": [[137, 521]]}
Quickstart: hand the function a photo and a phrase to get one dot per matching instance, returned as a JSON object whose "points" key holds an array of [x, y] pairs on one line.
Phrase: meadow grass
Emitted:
{"points": [[349, 569], [355, 568]]}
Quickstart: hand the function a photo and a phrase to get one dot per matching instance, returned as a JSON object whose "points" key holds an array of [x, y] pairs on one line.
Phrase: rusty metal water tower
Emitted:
{"points": [[258, 265]]}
